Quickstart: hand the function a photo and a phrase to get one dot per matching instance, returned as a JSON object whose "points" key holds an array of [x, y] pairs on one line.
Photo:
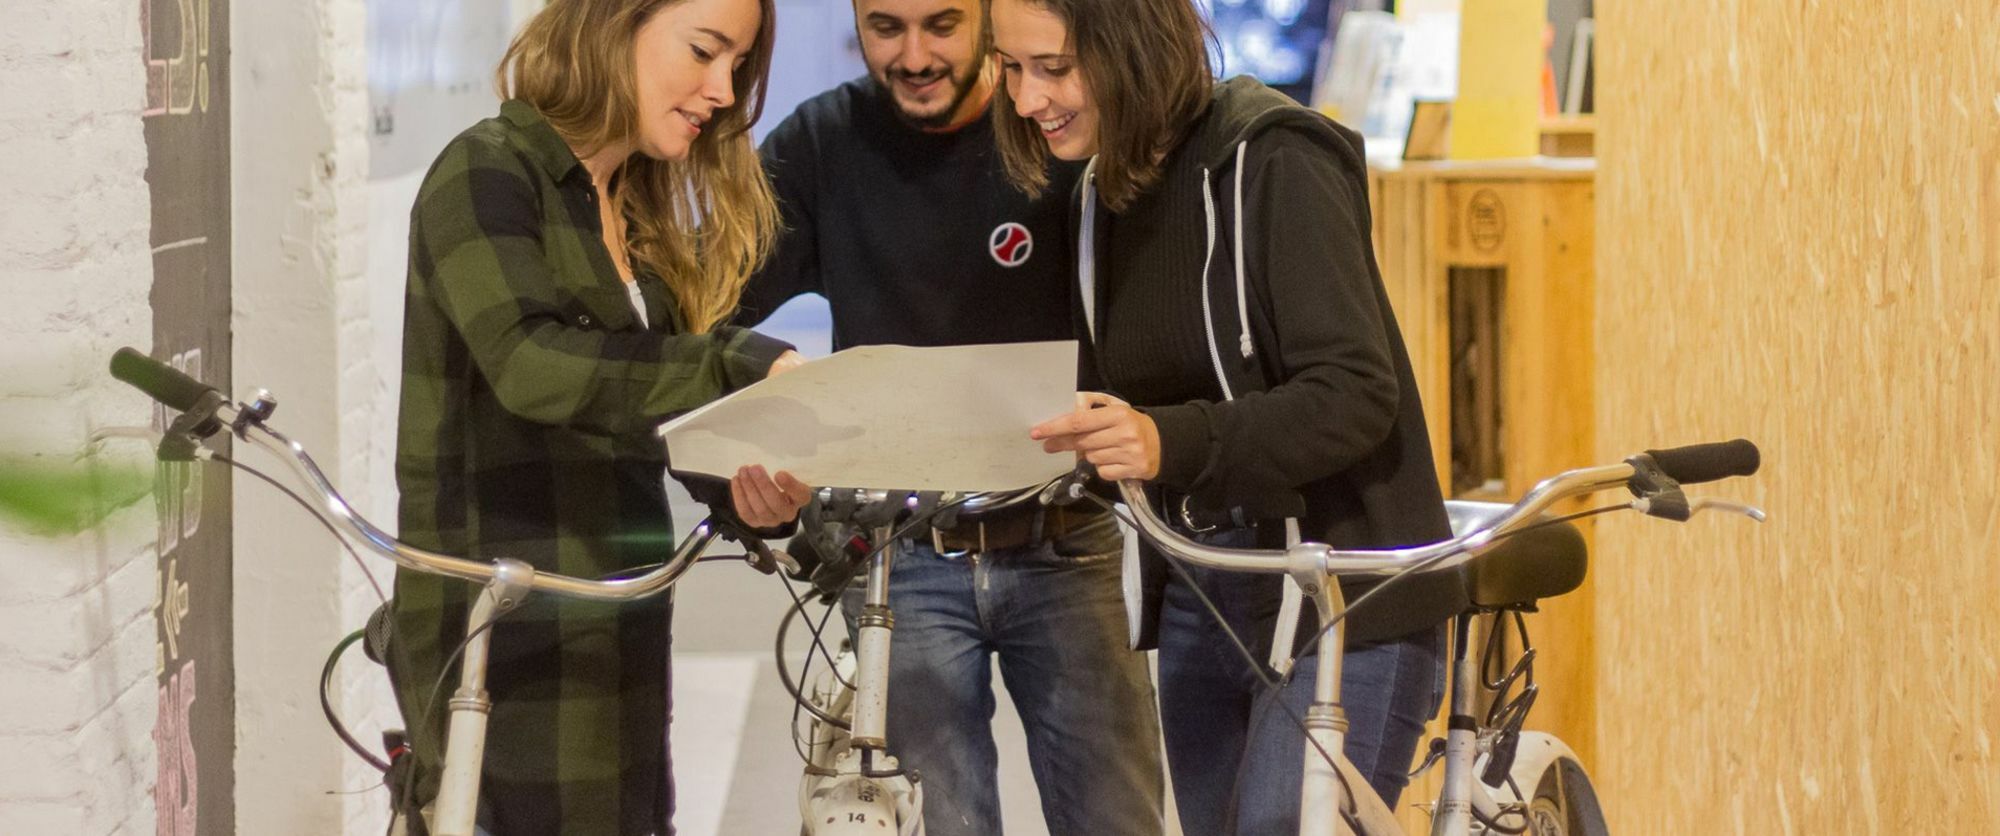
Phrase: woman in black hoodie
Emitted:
{"points": [[1229, 295]]}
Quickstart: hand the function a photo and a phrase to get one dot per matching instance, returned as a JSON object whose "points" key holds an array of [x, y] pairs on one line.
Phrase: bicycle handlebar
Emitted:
{"points": [[177, 390], [1698, 463], [359, 529], [160, 381], [1691, 464]]}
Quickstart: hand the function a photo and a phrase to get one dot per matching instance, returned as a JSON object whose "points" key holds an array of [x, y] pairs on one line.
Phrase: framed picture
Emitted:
{"points": [[1577, 97], [1430, 131]]}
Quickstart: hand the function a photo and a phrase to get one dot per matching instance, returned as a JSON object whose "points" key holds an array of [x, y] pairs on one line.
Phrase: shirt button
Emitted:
{"points": [[583, 320]]}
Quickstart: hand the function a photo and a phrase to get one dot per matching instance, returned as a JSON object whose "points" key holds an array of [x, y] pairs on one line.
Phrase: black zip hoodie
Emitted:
{"points": [[1319, 416]]}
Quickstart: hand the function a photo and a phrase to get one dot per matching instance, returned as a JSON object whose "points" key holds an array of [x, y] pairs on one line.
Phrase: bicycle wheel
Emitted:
{"points": [[1565, 803]]}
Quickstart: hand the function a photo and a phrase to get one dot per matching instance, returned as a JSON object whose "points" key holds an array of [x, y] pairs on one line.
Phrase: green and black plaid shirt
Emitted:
{"points": [[530, 392]]}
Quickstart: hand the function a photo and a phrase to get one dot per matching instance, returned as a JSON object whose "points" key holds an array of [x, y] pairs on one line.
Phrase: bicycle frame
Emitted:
{"points": [[1315, 568], [506, 584], [1325, 803], [852, 784]]}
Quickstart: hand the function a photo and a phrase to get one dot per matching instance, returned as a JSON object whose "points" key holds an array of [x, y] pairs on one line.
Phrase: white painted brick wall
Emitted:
{"points": [[367, 413], [77, 693], [302, 331]]}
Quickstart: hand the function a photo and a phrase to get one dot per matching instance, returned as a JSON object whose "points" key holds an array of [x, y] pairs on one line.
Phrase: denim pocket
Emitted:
{"points": [[1089, 542]]}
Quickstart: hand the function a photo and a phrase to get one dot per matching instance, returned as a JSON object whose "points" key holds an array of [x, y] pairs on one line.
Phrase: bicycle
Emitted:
{"points": [[1540, 784], [851, 784], [849, 724]]}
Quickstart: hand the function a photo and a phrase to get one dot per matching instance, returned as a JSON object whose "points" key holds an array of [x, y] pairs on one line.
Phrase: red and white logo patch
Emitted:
{"points": [[1010, 244]]}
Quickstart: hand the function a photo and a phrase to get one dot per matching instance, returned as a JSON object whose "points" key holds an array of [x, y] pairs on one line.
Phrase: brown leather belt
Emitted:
{"points": [[1012, 528]]}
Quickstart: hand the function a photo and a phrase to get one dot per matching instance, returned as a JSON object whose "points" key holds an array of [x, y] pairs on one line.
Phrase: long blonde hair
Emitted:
{"points": [[703, 223]]}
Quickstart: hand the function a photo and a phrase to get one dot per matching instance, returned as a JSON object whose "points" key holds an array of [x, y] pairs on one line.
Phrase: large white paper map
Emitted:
{"points": [[892, 418]]}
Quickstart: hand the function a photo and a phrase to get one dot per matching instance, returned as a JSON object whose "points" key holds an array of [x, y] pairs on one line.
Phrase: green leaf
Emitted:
{"points": [[57, 495]]}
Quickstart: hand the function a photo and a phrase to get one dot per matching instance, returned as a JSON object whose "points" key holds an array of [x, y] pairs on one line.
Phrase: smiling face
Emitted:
{"points": [[1044, 80], [927, 54], [686, 56]]}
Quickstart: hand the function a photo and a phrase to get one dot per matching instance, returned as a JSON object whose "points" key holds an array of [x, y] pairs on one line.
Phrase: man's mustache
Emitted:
{"points": [[924, 77]]}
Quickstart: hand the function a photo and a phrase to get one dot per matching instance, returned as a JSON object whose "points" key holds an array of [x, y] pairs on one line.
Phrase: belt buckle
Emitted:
{"points": [[937, 543], [1187, 519]]}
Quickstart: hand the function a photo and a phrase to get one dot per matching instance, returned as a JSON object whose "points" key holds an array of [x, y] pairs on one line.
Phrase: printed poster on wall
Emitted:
{"points": [[187, 151]]}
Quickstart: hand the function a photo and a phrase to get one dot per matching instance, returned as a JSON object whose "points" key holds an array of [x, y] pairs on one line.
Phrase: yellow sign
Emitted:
{"points": [[1498, 111]]}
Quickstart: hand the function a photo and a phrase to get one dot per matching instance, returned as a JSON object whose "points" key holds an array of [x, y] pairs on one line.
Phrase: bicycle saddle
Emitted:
{"points": [[1541, 563]]}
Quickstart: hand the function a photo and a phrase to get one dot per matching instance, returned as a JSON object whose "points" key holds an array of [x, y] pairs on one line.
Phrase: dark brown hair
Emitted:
{"points": [[1146, 65]]}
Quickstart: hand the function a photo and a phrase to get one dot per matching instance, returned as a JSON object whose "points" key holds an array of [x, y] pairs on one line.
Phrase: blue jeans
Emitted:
{"points": [[1057, 624], [1235, 757]]}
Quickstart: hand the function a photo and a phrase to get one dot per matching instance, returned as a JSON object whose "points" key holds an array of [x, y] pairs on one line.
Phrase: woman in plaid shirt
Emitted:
{"points": [[572, 261]]}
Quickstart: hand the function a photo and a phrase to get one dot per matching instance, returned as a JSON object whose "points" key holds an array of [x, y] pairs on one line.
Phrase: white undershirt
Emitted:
{"points": [[638, 302]]}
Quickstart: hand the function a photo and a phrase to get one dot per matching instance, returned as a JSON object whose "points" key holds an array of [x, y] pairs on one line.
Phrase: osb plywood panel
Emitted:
{"points": [[1799, 223], [1534, 227], [1416, 293]]}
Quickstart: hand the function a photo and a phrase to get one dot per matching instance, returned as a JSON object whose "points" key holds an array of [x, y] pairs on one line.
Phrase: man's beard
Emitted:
{"points": [[962, 87]]}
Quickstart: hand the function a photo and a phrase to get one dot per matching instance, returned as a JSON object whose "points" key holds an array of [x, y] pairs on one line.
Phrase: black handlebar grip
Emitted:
{"points": [[1698, 463], [162, 382]]}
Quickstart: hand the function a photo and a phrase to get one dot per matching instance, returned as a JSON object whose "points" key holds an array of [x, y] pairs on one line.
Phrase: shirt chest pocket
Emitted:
{"points": [[597, 309], [589, 294]]}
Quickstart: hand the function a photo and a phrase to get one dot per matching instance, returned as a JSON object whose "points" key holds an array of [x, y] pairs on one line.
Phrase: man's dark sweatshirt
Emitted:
{"points": [[913, 237]]}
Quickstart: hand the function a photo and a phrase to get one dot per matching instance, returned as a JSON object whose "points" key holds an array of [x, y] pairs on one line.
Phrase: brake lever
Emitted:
{"points": [[762, 557], [1751, 511], [1670, 505], [1431, 758], [778, 559], [756, 552], [1068, 487], [181, 442], [1677, 507]]}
